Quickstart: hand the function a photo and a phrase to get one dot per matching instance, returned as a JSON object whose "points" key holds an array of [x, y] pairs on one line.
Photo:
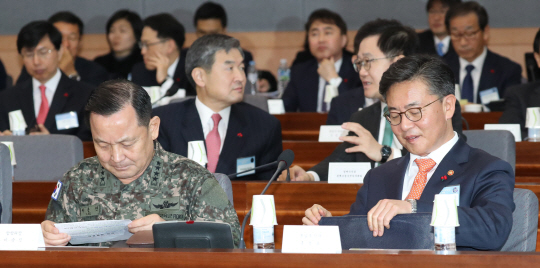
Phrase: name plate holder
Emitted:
{"points": [[21, 237], [348, 172], [311, 239]]}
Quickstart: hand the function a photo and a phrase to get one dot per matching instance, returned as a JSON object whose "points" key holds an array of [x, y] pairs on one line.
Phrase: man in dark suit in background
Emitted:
{"points": [[234, 132], [161, 41], [49, 94], [73, 66], [519, 98], [419, 91], [331, 69], [436, 40], [477, 69]]}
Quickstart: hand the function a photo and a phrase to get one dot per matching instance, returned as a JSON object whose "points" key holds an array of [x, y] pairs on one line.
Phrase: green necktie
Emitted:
{"points": [[388, 135]]}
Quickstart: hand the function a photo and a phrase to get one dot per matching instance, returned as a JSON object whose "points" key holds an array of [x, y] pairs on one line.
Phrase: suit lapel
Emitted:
{"points": [[62, 93], [26, 99], [487, 77], [394, 184], [191, 125], [345, 71], [312, 86], [234, 140]]}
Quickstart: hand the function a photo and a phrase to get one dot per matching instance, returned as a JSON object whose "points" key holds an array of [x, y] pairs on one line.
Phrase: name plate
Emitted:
{"points": [[311, 239], [21, 237], [514, 128], [331, 133], [276, 106], [348, 172]]}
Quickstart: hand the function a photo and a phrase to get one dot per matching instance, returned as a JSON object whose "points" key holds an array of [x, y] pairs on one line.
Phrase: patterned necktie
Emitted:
{"points": [[440, 46], [420, 181], [467, 90], [213, 144], [44, 107], [388, 134]]}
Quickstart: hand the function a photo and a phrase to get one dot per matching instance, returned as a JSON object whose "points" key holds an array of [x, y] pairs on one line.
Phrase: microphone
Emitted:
{"points": [[285, 160], [170, 92]]}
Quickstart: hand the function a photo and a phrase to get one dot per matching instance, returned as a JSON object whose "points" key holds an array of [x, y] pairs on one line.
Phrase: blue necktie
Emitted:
{"points": [[440, 46], [467, 91]]}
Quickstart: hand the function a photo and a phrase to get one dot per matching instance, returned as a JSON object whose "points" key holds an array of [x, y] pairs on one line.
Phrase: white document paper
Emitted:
{"points": [[276, 106], [514, 128], [311, 239], [21, 237], [95, 231], [331, 133], [348, 172]]}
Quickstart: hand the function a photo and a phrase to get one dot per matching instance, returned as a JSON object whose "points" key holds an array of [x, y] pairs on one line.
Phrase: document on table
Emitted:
{"points": [[95, 231]]}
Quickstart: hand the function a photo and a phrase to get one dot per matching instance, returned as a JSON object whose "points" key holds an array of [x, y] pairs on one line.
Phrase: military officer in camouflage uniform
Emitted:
{"points": [[132, 177]]}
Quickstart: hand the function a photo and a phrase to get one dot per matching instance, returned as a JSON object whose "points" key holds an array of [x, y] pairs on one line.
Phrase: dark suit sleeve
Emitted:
{"points": [[359, 207], [272, 150], [163, 138], [514, 77], [23, 76], [514, 109], [4, 118], [333, 115], [457, 123], [290, 96]]}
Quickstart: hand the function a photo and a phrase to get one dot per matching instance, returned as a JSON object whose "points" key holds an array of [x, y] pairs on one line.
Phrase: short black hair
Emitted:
{"points": [[394, 38], [112, 96], [446, 3], [133, 18], [429, 69], [272, 82], [202, 52], [167, 26], [327, 16], [32, 33], [465, 9], [68, 17], [210, 10], [536, 44]]}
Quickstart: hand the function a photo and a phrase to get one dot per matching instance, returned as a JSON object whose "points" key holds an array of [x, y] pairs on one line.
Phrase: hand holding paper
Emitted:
{"points": [[365, 142], [144, 223], [52, 235]]}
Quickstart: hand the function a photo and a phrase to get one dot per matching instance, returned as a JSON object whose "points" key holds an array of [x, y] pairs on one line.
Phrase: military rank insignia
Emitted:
{"points": [[57, 190]]}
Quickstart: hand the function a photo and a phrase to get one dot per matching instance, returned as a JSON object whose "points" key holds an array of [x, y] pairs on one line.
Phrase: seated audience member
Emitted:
{"points": [[436, 40], [123, 34], [232, 130], [161, 40], [379, 44], [519, 98], [73, 66], [419, 91], [211, 18], [132, 174], [3, 77], [49, 92], [267, 81], [477, 68], [327, 36]]}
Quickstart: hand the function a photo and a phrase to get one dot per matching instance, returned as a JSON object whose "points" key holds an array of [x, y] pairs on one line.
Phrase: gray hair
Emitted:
{"points": [[202, 52]]}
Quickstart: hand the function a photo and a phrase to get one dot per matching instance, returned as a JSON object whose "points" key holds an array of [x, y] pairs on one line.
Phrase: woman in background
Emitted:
{"points": [[123, 34]]}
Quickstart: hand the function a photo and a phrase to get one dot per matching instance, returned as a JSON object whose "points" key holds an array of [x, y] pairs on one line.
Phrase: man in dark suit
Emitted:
{"points": [[519, 98], [314, 82], [161, 41], [49, 93], [477, 68], [233, 132], [73, 66], [419, 91], [435, 40]]}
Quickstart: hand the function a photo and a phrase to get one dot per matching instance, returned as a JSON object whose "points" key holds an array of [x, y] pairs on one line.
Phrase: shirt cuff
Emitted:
{"points": [[335, 81], [315, 175], [397, 153]]}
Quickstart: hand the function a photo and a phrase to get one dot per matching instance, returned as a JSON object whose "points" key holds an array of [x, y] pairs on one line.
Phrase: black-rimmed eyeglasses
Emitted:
{"points": [[358, 64], [413, 114]]}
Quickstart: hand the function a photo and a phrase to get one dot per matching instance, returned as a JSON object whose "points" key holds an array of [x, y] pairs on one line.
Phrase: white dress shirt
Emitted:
{"points": [[445, 41], [50, 89], [322, 84], [205, 114], [476, 73], [412, 168]]}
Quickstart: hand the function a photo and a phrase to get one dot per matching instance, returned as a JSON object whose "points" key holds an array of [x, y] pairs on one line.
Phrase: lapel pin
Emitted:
{"points": [[66, 95], [443, 178], [240, 135], [450, 172]]}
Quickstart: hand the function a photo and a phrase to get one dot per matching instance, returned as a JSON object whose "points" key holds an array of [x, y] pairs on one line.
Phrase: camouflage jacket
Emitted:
{"points": [[172, 186]]}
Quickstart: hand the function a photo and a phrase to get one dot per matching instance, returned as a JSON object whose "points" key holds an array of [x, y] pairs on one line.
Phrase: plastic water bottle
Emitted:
{"points": [[252, 77], [263, 237], [284, 75]]}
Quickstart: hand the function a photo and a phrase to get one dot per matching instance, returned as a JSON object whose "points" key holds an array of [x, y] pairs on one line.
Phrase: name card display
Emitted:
{"points": [[348, 172], [311, 239]]}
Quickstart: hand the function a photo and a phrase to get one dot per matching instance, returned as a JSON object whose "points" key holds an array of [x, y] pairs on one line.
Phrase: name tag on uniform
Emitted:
{"points": [[348, 172], [452, 189], [92, 210], [67, 121], [245, 163]]}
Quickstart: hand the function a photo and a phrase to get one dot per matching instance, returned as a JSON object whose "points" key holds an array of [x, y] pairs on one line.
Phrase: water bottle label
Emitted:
{"points": [[445, 235], [263, 235]]}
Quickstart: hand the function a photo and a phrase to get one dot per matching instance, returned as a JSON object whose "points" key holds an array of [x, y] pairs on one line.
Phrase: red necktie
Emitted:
{"points": [[213, 144], [44, 107], [420, 181]]}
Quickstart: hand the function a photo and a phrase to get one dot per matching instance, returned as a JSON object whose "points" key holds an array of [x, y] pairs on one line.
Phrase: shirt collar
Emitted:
{"points": [[205, 113], [172, 68], [478, 63], [439, 153], [52, 84], [446, 40]]}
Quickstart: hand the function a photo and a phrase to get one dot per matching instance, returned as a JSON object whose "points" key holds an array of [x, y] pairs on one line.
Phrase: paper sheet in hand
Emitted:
{"points": [[95, 231]]}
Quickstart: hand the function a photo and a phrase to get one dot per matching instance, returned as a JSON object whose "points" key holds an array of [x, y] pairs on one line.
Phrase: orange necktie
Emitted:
{"points": [[424, 166], [44, 107]]}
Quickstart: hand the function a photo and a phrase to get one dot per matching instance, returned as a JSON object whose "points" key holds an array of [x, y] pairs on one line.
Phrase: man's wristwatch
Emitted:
{"points": [[413, 205], [386, 151]]}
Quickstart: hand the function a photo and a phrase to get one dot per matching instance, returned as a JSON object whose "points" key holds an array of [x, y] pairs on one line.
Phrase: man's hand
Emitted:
{"points": [[52, 236], [6, 132], [161, 63], [365, 143], [314, 214], [327, 69], [297, 174], [144, 223], [41, 130], [381, 214], [67, 63]]}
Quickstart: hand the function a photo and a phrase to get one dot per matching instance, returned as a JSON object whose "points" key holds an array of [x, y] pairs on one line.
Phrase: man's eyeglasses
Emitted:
{"points": [[413, 114], [42, 53], [358, 64], [147, 45], [467, 36]]}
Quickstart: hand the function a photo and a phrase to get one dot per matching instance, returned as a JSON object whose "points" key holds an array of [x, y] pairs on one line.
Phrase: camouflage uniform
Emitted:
{"points": [[172, 186]]}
